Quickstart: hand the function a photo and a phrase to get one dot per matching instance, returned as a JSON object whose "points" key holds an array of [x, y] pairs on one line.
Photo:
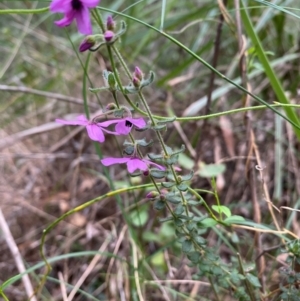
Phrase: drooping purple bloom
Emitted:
{"points": [[124, 125], [74, 9], [95, 130], [133, 163]]}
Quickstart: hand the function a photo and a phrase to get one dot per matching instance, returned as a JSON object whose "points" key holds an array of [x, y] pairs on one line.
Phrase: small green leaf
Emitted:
{"points": [[143, 142], [185, 161], [211, 170], [222, 209], [188, 176], [182, 187], [187, 246], [159, 205], [158, 259], [157, 173], [193, 256], [173, 199], [168, 184], [139, 217], [178, 222], [208, 223], [253, 280], [179, 209], [200, 240], [234, 219], [150, 236]]}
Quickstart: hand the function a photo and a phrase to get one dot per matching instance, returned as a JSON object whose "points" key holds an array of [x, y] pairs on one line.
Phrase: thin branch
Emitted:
{"points": [[57, 96], [17, 257]]}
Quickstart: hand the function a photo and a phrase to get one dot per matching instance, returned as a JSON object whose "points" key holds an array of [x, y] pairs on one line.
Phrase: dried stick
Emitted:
{"points": [[17, 257], [57, 96], [62, 286]]}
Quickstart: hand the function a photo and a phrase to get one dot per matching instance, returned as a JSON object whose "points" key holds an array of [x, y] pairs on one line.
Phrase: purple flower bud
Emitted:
{"points": [[86, 44], [110, 23], [136, 82], [152, 194], [108, 35], [146, 173], [138, 73]]}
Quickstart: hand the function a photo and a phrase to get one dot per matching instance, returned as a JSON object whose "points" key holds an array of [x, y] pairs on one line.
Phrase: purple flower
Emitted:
{"points": [[74, 9], [133, 163], [95, 130], [124, 125]]}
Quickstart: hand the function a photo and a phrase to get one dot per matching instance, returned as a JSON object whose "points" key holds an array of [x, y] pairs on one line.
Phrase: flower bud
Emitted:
{"points": [[87, 43], [110, 23], [110, 106], [146, 173], [138, 73], [136, 82], [152, 194], [108, 35]]}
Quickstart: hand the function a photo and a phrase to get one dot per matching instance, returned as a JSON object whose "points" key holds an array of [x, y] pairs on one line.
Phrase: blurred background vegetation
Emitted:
{"points": [[47, 169]]}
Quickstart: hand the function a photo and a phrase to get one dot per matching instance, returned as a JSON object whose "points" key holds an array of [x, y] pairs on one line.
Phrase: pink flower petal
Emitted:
{"points": [[111, 161], [60, 6], [83, 21], [122, 128], [90, 3], [108, 122], [80, 120], [135, 164], [110, 132], [95, 132], [155, 164], [66, 20], [138, 122]]}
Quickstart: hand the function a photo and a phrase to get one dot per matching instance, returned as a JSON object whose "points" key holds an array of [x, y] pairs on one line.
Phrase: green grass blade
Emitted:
{"points": [[274, 81]]}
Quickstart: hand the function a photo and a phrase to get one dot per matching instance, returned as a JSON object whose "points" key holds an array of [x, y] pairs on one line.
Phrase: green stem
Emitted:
{"points": [[198, 196], [24, 11], [247, 283], [3, 295], [124, 65], [98, 19]]}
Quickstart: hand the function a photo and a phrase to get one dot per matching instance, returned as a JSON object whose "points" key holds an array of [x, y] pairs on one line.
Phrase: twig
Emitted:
{"points": [[17, 257], [62, 286], [57, 96], [116, 249]]}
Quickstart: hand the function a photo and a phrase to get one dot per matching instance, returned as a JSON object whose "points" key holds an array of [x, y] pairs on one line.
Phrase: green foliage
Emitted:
{"points": [[211, 170]]}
